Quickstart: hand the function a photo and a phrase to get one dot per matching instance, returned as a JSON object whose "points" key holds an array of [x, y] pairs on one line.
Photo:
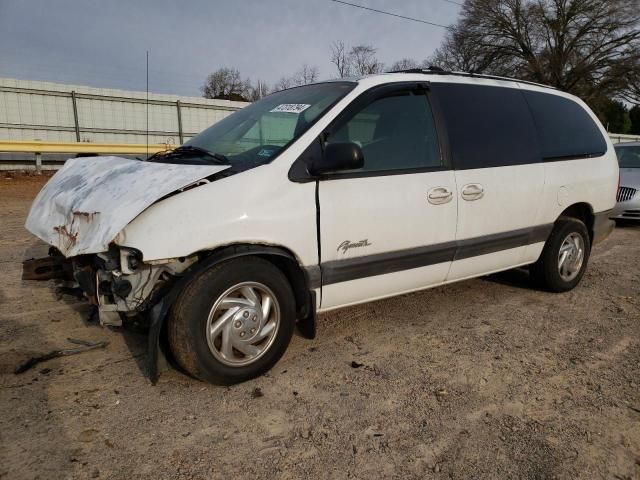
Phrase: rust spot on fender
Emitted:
{"points": [[67, 239]]}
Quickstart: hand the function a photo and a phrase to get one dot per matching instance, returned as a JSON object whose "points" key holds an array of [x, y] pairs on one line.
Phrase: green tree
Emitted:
{"points": [[634, 117], [226, 84], [614, 115]]}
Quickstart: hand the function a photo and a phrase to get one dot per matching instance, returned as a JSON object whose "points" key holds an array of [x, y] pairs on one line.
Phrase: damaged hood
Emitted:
{"points": [[89, 200]]}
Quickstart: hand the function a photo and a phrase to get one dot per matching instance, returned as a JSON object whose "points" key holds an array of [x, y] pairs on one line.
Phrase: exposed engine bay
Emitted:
{"points": [[81, 212], [117, 282]]}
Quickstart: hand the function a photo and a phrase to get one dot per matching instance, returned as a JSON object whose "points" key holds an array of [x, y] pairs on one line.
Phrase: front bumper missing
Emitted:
{"points": [[76, 276], [121, 288]]}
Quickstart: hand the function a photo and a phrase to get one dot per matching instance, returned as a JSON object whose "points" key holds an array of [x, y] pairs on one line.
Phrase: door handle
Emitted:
{"points": [[439, 195], [472, 191]]}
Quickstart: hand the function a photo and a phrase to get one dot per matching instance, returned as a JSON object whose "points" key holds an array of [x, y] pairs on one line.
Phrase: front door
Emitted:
{"points": [[389, 227]]}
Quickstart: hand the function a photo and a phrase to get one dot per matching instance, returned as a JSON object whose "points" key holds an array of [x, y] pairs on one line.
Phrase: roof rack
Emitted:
{"points": [[430, 69], [433, 70]]}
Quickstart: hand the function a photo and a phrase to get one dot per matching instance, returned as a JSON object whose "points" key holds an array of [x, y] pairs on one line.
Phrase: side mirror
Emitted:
{"points": [[338, 156]]}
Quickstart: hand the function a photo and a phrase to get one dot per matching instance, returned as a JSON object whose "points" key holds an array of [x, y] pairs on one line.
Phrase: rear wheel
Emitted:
{"points": [[565, 256], [233, 322]]}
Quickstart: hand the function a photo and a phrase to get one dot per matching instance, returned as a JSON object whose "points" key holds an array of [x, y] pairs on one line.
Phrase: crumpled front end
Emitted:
{"points": [[117, 282], [80, 212], [89, 200]]}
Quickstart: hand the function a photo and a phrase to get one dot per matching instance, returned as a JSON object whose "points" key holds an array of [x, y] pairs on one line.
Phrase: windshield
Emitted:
{"points": [[257, 133], [628, 156]]}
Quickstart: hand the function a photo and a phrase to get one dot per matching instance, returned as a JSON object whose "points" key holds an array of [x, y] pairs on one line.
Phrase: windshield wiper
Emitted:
{"points": [[193, 150]]}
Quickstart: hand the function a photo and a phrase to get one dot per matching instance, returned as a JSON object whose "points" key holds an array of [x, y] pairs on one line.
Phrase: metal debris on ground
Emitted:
{"points": [[85, 347], [47, 268]]}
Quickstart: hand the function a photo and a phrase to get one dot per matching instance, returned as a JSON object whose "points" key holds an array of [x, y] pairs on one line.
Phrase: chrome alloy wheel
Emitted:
{"points": [[243, 324], [571, 257]]}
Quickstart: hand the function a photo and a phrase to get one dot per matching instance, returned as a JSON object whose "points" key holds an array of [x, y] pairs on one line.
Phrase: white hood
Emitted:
{"points": [[90, 200]]}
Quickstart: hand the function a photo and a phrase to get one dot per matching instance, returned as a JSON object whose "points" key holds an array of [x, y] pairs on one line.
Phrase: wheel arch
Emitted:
{"points": [[582, 211], [302, 281]]}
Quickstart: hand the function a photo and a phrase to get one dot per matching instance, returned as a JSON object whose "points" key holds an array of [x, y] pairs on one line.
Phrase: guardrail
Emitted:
{"points": [[622, 137], [38, 148]]}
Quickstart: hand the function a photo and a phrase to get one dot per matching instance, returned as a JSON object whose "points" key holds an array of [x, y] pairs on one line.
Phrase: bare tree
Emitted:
{"points": [[631, 91], [283, 84], [226, 83], [458, 53], [307, 74], [358, 60], [340, 59], [258, 90], [403, 64], [363, 61], [587, 47]]}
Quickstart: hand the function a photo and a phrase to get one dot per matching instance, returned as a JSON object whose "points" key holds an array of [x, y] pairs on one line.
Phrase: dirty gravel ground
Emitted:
{"points": [[483, 379]]}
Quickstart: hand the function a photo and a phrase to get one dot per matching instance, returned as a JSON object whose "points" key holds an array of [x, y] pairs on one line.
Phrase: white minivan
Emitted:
{"points": [[323, 196]]}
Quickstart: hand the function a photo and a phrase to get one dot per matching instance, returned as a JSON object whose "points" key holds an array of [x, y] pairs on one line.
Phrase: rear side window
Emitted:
{"points": [[566, 130], [487, 126]]}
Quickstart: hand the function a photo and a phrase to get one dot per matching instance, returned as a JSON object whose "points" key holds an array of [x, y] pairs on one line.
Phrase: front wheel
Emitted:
{"points": [[233, 322], [565, 256]]}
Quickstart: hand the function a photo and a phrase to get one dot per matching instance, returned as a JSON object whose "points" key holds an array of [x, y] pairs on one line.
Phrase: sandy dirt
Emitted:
{"points": [[487, 378]]}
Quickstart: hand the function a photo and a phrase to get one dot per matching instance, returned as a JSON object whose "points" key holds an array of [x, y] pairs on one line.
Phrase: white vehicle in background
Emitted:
{"points": [[329, 195], [628, 206]]}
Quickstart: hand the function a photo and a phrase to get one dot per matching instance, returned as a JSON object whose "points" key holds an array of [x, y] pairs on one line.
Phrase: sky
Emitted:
{"points": [[103, 42]]}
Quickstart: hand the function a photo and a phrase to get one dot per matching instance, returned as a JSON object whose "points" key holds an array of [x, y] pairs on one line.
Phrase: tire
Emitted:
{"points": [[547, 272], [221, 292]]}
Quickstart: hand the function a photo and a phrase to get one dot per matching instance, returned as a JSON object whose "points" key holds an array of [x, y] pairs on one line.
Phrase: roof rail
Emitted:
{"points": [[433, 70], [430, 69]]}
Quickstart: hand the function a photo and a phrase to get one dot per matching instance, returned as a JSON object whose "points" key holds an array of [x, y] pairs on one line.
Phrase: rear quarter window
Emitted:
{"points": [[487, 126], [564, 127]]}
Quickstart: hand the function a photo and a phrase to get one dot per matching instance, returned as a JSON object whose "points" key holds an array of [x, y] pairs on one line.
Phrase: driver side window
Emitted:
{"points": [[395, 132]]}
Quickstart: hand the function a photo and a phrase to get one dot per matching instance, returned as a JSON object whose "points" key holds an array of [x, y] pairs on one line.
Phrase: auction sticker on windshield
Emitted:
{"points": [[291, 108]]}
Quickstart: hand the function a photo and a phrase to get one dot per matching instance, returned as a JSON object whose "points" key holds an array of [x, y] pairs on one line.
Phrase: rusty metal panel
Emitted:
{"points": [[47, 268]]}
